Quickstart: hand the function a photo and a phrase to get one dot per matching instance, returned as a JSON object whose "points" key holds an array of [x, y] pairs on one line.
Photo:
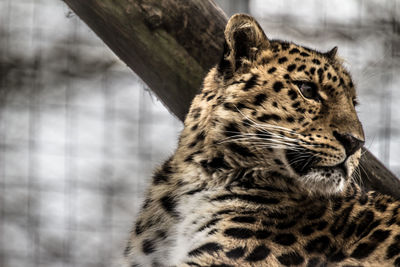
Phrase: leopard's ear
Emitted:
{"points": [[244, 39], [331, 54]]}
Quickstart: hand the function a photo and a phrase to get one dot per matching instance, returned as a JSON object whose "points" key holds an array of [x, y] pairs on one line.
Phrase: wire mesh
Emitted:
{"points": [[78, 140], [80, 133]]}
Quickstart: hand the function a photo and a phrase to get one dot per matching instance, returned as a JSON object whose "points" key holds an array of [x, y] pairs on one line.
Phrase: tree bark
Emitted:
{"points": [[171, 44]]}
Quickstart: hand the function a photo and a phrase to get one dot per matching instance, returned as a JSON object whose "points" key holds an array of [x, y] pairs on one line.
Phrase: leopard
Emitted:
{"points": [[266, 171]]}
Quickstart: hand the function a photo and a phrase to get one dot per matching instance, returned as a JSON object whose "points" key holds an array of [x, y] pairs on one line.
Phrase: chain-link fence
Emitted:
{"points": [[80, 133]]}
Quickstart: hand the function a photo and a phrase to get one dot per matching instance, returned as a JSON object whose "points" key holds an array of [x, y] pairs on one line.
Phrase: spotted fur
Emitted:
{"points": [[264, 171]]}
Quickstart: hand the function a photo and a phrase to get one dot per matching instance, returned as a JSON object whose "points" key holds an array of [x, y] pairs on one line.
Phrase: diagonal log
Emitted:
{"points": [[171, 44]]}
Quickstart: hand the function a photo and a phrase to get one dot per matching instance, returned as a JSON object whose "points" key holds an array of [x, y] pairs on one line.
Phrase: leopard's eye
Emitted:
{"points": [[308, 89]]}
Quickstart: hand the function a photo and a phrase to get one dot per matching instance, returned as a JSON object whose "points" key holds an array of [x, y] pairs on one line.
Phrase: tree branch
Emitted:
{"points": [[171, 44]]}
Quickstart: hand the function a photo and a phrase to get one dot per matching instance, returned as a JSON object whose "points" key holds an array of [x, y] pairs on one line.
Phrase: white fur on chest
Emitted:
{"points": [[195, 211]]}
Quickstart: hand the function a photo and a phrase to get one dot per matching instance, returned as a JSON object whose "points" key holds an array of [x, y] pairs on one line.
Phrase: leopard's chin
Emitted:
{"points": [[325, 180]]}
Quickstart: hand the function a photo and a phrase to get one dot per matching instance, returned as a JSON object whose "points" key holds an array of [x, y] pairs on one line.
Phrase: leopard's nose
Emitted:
{"points": [[350, 143]]}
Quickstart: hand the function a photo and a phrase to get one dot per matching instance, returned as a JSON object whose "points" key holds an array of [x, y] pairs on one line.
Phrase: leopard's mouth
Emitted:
{"points": [[322, 179], [340, 169], [304, 161], [301, 161]]}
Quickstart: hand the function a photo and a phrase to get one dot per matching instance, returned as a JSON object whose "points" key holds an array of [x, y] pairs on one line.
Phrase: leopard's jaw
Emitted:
{"points": [[325, 181]]}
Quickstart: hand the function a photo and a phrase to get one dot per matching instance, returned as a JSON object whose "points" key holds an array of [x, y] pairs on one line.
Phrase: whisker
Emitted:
{"points": [[259, 136], [362, 167], [261, 143], [255, 136]]}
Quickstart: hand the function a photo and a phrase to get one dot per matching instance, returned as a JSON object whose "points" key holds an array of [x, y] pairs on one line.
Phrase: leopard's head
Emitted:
{"points": [[280, 106]]}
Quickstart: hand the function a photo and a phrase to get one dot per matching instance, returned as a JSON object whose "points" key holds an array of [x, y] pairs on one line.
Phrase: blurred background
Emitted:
{"points": [[80, 133]]}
